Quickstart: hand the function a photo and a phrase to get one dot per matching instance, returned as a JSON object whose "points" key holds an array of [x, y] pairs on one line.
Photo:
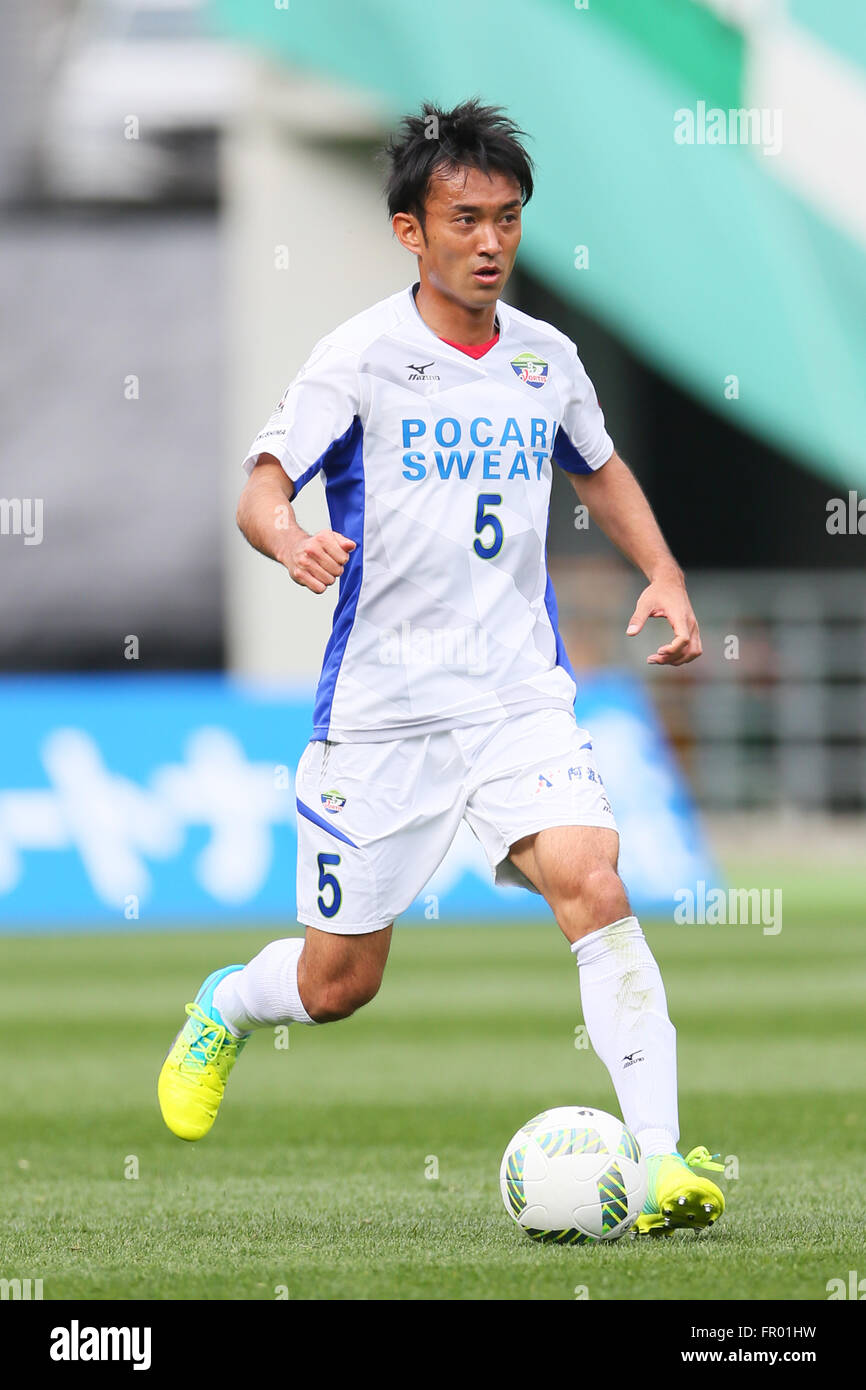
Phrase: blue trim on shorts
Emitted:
{"points": [[344, 489], [311, 815]]}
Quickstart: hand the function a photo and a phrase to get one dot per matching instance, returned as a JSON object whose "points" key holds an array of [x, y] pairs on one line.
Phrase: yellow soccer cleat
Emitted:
{"points": [[194, 1074], [679, 1198]]}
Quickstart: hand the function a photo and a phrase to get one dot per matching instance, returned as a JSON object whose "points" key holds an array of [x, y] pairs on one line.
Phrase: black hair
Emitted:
{"points": [[470, 136]]}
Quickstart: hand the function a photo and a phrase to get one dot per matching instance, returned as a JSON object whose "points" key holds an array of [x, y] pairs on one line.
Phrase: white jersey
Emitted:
{"points": [[439, 467]]}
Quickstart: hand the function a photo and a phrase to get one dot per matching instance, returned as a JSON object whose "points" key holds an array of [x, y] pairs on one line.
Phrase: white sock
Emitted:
{"points": [[626, 1016], [265, 992]]}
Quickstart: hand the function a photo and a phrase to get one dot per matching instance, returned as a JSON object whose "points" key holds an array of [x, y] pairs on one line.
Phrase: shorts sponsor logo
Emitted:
{"points": [[558, 777], [581, 774], [333, 802], [531, 369]]}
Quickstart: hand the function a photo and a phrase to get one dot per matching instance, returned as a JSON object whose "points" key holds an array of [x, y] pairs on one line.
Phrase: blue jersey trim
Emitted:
{"points": [[553, 614], [566, 456], [323, 459], [310, 473], [311, 815], [344, 487]]}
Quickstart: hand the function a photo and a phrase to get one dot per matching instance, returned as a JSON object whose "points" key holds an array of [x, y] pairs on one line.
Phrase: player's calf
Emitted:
{"points": [[338, 974], [327, 1001]]}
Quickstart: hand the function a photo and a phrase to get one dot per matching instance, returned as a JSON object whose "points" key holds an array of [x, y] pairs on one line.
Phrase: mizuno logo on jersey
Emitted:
{"points": [[421, 373]]}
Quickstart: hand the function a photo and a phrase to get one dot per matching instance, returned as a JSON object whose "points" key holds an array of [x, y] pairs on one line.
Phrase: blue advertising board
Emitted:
{"points": [[137, 801]]}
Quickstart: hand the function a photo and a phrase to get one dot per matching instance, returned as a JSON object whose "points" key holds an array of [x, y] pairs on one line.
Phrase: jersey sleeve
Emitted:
{"points": [[315, 412], [582, 443]]}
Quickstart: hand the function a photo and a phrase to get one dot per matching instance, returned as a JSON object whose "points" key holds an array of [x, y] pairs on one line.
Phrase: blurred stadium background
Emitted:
{"points": [[190, 198]]}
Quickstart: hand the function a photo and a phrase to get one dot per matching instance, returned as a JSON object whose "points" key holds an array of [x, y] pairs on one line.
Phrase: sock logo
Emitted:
{"points": [[631, 1057]]}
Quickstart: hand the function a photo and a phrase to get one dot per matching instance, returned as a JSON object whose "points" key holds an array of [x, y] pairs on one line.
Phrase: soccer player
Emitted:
{"points": [[436, 418]]}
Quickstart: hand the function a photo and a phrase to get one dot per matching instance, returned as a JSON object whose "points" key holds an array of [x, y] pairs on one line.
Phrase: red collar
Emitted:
{"points": [[473, 349]]}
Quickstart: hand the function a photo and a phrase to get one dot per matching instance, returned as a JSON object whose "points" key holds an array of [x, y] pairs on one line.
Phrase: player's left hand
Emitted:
{"points": [[667, 598]]}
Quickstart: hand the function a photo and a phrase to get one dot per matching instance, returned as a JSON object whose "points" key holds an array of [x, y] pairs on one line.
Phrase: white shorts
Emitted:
{"points": [[375, 820]]}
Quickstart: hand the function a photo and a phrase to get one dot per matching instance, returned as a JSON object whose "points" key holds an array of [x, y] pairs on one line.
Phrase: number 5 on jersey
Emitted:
{"points": [[485, 518], [326, 881]]}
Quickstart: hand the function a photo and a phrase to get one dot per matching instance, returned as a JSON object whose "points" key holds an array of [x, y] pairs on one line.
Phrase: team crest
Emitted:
{"points": [[333, 802], [531, 369]]}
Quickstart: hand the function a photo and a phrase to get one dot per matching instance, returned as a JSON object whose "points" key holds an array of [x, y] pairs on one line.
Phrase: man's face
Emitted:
{"points": [[471, 234]]}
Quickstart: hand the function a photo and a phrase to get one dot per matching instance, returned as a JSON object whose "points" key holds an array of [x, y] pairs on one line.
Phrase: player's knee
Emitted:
{"points": [[595, 899], [334, 999], [604, 894]]}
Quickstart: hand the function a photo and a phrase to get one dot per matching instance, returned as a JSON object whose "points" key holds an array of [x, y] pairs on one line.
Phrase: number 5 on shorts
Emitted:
{"points": [[327, 880]]}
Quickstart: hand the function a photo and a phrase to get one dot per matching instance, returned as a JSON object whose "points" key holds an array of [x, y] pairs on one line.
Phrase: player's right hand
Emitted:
{"points": [[316, 561]]}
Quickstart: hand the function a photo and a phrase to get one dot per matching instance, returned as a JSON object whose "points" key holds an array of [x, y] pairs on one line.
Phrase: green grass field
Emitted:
{"points": [[313, 1179]]}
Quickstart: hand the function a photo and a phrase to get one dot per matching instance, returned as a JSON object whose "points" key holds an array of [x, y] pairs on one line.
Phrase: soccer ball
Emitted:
{"points": [[573, 1175]]}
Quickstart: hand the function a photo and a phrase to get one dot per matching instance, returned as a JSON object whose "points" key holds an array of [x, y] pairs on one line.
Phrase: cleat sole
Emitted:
{"points": [[689, 1214], [679, 1198]]}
